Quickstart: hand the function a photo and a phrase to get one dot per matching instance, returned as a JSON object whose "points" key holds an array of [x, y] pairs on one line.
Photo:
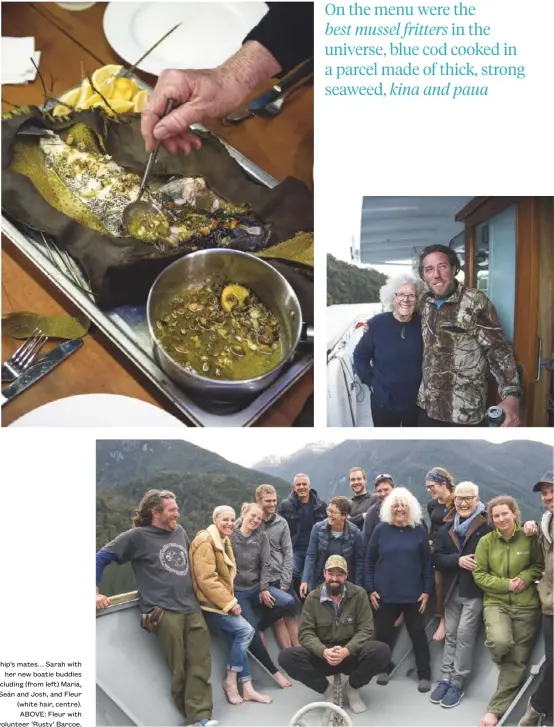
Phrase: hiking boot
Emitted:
{"points": [[383, 679], [424, 685], [452, 697], [439, 691], [531, 718], [353, 695]]}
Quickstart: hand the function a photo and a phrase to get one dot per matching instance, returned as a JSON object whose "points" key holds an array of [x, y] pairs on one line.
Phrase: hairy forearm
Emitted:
{"points": [[249, 67]]}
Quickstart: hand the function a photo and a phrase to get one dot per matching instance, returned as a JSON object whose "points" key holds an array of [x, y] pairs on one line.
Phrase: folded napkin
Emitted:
{"points": [[16, 60]]}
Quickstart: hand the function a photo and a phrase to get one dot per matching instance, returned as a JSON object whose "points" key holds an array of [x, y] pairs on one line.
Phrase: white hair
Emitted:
{"points": [[468, 485], [389, 289], [401, 496], [300, 474], [222, 508]]}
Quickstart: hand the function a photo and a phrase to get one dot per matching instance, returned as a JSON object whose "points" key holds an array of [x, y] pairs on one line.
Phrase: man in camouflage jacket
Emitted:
{"points": [[462, 343]]}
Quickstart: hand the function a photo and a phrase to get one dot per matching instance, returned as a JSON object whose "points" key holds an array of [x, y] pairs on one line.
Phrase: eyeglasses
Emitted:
{"points": [[464, 498], [333, 512], [404, 296]]}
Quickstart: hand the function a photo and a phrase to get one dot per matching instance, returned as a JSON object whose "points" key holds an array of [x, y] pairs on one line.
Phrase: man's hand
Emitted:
{"points": [[236, 610], [530, 527], [267, 599], [374, 598], [101, 602], [516, 585], [335, 655], [510, 405], [423, 600], [303, 590], [467, 562], [202, 95]]}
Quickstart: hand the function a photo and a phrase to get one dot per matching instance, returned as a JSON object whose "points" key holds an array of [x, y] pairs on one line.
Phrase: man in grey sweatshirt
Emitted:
{"points": [[362, 500]]}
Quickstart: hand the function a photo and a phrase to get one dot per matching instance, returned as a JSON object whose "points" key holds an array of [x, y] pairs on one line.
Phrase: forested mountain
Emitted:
{"points": [[351, 284], [200, 479], [510, 468]]}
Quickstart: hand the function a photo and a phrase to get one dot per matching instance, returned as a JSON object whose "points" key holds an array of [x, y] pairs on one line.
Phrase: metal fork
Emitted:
{"points": [[25, 355]]}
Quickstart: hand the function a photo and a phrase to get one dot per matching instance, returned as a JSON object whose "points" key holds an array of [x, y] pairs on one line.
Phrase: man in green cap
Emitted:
{"points": [[539, 706], [335, 634]]}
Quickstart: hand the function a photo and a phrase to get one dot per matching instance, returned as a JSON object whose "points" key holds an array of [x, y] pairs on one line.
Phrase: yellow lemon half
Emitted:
{"points": [[101, 74], [139, 101], [232, 295]]}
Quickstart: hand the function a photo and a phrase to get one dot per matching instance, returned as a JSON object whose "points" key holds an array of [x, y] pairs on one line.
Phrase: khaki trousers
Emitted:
{"points": [[185, 643], [510, 636]]}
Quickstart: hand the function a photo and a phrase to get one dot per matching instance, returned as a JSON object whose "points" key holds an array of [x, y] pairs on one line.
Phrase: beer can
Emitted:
{"points": [[495, 416]]}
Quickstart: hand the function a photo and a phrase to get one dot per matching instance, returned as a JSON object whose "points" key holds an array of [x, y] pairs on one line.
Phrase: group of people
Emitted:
{"points": [[356, 569], [428, 358]]}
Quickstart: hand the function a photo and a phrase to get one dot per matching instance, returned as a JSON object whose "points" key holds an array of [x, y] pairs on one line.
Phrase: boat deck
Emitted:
{"points": [[133, 685]]}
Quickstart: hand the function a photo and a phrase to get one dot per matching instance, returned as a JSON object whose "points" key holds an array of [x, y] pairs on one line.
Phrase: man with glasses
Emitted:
{"points": [[454, 557], [362, 500], [463, 343]]}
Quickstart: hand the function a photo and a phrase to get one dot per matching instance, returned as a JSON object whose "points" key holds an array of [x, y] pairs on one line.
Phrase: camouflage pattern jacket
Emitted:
{"points": [[462, 343]]}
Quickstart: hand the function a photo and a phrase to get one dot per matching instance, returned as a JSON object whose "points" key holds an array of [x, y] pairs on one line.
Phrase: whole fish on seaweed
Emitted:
{"points": [[74, 180]]}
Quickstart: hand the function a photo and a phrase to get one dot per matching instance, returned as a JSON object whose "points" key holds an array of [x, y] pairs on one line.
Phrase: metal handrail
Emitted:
{"points": [[320, 705]]}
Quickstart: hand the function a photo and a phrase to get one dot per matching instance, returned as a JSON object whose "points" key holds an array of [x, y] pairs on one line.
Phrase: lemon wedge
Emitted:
{"points": [[70, 98], [124, 89], [101, 74], [139, 101], [232, 295], [85, 93]]}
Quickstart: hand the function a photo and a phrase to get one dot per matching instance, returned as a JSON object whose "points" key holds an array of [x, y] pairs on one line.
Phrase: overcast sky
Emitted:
{"points": [[248, 446]]}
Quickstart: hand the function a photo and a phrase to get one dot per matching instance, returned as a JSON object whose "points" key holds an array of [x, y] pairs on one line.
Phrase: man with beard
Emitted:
{"points": [[383, 485], [335, 635], [463, 343], [158, 549], [302, 509], [362, 500], [539, 706]]}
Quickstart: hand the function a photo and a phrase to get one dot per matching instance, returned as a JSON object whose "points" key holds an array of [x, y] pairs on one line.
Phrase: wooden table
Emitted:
{"points": [[282, 146]]}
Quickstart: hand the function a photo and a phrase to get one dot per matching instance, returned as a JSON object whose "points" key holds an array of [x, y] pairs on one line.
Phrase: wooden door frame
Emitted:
{"points": [[526, 313]]}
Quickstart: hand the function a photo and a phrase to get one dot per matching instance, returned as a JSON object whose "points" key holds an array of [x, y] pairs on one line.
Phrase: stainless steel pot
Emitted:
{"points": [[212, 267]]}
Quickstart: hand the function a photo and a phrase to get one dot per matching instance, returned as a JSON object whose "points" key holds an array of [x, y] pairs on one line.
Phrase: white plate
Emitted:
{"points": [[98, 410], [210, 32]]}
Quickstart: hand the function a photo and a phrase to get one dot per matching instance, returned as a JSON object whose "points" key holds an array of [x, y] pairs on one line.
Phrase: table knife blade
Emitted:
{"points": [[40, 369]]}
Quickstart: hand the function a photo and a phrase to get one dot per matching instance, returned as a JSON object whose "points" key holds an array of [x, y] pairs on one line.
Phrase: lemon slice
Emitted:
{"points": [[124, 89], [139, 101], [85, 93], [71, 98], [117, 106], [101, 74], [106, 88], [232, 295]]}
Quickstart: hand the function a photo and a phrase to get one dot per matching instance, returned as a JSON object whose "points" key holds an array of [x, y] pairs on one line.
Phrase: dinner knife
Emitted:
{"points": [[299, 74], [40, 369]]}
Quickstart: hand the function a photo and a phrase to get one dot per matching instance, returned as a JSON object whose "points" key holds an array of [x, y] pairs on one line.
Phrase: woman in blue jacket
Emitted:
{"points": [[334, 536], [399, 576]]}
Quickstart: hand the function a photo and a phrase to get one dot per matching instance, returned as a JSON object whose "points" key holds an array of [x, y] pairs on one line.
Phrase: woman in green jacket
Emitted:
{"points": [[508, 564]]}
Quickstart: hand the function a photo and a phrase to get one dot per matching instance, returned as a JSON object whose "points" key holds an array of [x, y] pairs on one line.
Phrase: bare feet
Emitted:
{"points": [[281, 680], [251, 695], [231, 692], [489, 720], [440, 633], [499, 665]]}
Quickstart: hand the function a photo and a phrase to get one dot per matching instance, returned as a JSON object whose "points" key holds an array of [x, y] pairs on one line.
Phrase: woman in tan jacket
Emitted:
{"points": [[213, 571]]}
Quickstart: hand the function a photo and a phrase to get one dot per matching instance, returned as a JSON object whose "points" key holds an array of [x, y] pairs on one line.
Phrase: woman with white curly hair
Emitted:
{"points": [[399, 577], [388, 356]]}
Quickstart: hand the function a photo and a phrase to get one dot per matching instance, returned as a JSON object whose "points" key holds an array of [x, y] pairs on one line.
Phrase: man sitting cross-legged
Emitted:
{"points": [[335, 634]]}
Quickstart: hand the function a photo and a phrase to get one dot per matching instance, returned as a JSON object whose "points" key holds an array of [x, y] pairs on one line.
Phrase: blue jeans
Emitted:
{"points": [[239, 634], [298, 558], [249, 601]]}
